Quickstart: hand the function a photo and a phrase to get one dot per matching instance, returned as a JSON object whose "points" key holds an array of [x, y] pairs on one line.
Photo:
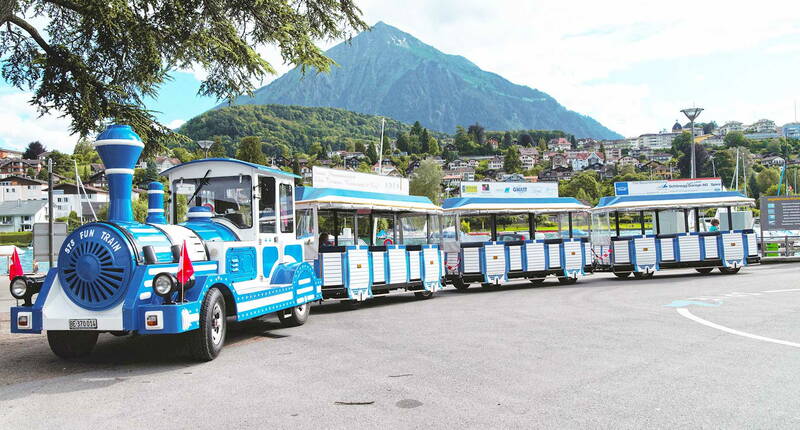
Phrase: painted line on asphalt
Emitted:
{"points": [[686, 313], [781, 291]]}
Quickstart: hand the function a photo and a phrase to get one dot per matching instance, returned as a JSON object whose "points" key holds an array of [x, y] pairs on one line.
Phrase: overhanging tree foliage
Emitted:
{"points": [[96, 60]]}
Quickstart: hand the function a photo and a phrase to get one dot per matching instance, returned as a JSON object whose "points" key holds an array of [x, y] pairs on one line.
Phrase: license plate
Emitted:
{"points": [[86, 324]]}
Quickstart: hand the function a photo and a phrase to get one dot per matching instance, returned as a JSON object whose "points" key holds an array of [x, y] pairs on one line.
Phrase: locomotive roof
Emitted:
{"points": [[233, 161], [673, 201], [513, 205], [337, 198]]}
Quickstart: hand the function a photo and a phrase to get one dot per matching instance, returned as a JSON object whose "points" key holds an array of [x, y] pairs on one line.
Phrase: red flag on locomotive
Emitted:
{"points": [[185, 268]]}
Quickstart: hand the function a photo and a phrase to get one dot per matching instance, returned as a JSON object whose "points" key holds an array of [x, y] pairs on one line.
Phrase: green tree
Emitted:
{"points": [[735, 138], [70, 54], [85, 153], [542, 145], [427, 180], [584, 186], [372, 154], [34, 150], [250, 150], [217, 149], [511, 162], [62, 164], [507, 140], [182, 154]]}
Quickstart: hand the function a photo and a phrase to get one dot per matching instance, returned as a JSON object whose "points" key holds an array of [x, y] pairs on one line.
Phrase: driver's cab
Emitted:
{"points": [[255, 203]]}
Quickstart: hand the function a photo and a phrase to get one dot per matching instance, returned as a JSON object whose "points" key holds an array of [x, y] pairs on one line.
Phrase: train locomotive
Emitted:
{"points": [[119, 276]]}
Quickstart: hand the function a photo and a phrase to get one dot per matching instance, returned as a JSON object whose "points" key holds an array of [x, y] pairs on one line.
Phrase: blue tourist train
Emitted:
{"points": [[496, 232], [673, 224], [365, 243], [119, 275]]}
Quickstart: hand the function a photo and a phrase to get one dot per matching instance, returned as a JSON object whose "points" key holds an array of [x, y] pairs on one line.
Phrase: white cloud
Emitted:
{"points": [[175, 123], [21, 124]]}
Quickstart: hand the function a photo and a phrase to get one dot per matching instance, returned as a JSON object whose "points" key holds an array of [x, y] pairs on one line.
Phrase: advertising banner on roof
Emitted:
{"points": [[348, 180], [668, 186], [509, 189]]}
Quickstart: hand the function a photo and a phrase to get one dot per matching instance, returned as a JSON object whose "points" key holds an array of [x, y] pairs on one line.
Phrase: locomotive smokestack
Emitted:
{"points": [[119, 148], [155, 203]]}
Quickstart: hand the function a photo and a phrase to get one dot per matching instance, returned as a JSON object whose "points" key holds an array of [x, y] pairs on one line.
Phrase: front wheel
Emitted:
{"points": [[295, 316], [704, 270], [71, 344], [206, 342], [459, 284], [729, 270], [567, 280]]}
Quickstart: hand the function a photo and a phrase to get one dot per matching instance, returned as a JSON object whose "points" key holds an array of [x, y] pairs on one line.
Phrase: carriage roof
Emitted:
{"points": [[673, 201], [513, 205], [230, 164], [337, 198]]}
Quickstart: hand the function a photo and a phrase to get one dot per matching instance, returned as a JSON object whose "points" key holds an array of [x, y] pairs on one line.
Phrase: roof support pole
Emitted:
{"points": [[336, 228], [569, 219], [686, 220], [658, 222], [697, 220], [730, 219], [394, 228], [493, 222], [616, 221], [532, 225], [641, 221]]}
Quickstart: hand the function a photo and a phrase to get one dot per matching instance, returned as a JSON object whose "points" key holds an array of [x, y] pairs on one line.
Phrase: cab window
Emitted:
{"points": [[266, 205], [228, 197], [287, 208]]}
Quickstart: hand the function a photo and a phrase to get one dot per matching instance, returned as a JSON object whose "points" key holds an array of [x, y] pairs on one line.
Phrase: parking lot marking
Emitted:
{"points": [[686, 313], [782, 291]]}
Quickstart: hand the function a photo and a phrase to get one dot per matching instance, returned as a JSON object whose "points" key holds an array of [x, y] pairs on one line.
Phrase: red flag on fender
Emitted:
{"points": [[16, 267], [185, 268]]}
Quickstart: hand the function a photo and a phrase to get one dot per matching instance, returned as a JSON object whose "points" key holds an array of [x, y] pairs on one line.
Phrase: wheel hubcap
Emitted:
{"points": [[217, 324]]}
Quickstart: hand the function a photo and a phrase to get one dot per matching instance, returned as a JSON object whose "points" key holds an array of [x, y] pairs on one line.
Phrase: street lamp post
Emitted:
{"points": [[692, 113], [205, 145]]}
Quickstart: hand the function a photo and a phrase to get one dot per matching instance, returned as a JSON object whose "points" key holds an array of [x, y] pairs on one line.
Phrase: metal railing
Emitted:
{"points": [[780, 246]]}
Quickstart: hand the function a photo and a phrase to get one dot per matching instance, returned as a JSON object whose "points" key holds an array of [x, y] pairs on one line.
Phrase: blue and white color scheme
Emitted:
{"points": [[515, 253], [119, 275], [374, 243], [673, 233]]}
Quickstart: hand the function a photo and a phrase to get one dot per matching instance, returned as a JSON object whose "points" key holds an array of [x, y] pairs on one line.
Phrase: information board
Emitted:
{"points": [[780, 212], [41, 239], [642, 188], [509, 189], [357, 181]]}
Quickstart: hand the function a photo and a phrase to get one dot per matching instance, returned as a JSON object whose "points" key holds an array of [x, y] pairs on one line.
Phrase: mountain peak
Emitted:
{"points": [[386, 71]]}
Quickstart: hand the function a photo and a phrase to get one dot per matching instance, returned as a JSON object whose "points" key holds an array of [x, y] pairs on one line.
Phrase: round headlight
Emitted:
{"points": [[164, 284], [19, 287]]}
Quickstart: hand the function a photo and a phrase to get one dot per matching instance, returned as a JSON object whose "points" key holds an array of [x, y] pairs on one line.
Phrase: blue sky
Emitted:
{"points": [[632, 65]]}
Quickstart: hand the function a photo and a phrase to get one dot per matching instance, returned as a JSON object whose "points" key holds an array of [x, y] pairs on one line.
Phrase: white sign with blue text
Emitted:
{"points": [[668, 186], [509, 189], [357, 181]]}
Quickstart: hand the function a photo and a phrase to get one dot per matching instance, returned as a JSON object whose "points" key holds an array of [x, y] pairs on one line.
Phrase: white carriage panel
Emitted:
{"points": [[441, 261], [331, 268], [752, 244], [667, 249], [645, 249], [414, 271], [358, 268], [587, 254], [515, 258], [495, 259], [573, 256], [689, 248], [472, 260], [732, 244], [621, 252], [430, 257], [397, 266], [535, 256], [554, 255], [712, 250], [378, 266]]}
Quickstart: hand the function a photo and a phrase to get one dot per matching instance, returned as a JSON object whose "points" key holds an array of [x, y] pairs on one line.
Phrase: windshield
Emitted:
{"points": [[228, 197]]}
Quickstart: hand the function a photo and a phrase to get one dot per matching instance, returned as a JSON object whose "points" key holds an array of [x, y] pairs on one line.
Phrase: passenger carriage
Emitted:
{"points": [[377, 243], [492, 240], [642, 234], [119, 275]]}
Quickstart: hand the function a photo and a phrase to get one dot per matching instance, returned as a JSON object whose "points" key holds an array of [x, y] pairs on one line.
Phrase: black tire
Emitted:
{"points": [[729, 271], [705, 270], [536, 282], [643, 275], [622, 275], [567, 280], [296, 316], [71, 344], [459, 284], [488, 285], [206, 342], [423, 295]]}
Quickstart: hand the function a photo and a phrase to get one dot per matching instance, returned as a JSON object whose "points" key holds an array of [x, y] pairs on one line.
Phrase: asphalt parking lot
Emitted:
{"points": [[679, 350]]}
